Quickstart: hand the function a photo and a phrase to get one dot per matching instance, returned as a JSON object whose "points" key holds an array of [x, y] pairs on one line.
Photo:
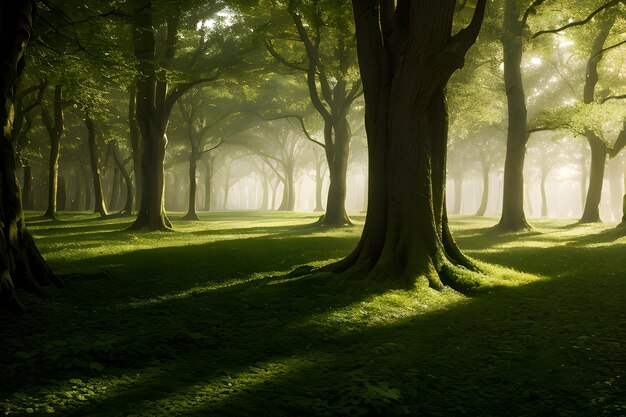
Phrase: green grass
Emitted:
{"points": [[200, 322]]}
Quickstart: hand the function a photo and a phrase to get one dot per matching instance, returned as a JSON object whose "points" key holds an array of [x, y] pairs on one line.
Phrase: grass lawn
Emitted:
{"points": [[199, 322]]}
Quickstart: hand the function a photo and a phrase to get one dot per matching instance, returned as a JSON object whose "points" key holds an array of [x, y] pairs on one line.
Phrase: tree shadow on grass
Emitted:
{"points": [[548, 348]]}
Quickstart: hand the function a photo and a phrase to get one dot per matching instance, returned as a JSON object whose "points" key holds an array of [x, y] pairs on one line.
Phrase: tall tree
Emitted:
{"points": [[332, 87], [21, 264], [407, 54]]}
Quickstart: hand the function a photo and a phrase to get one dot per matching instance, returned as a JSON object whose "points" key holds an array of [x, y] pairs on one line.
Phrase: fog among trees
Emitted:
{"points": [[398, 145]]}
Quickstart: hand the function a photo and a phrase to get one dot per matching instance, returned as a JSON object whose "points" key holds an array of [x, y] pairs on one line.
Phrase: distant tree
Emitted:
{"points": [[21, 264], [326, 57]]}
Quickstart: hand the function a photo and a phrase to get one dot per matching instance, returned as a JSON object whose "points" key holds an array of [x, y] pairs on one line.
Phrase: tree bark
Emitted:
{"points": [[406, 63], [21, 264], [100, 206], [55, 127], [513, 216], [591, 212]]}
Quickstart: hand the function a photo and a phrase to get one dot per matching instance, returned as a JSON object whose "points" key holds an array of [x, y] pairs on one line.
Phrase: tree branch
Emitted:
{"points": [[581, 22], [293, 65]]}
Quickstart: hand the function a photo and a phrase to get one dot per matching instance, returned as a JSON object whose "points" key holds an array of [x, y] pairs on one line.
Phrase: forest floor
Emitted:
{"points": [[199, 322]]}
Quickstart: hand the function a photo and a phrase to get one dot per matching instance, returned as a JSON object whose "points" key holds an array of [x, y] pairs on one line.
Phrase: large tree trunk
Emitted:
{"points": [[21, 264], [193, 186], [55, 126], [100, 206], [405, 68], [152, 117], [513, 217]]}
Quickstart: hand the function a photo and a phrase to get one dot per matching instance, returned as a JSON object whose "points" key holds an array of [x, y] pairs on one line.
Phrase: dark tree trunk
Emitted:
{"points": [[405, 68], [153, 107], [513, 217], [484, 200], [55, 126], [21, 264], [193, 186], [100, 206], [130, 192], [591, 212]]}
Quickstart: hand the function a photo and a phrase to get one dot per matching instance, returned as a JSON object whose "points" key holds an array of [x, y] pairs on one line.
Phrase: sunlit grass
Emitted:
{"points": [[203, 321]]}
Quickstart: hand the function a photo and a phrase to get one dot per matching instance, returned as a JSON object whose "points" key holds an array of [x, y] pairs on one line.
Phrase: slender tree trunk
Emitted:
{"points": [[405, 68], [208, 183], [135, 142], [484, 200], [266, 194], [291, 187], [616, 181], [319, 184], [193, 185], [55, 127], [130, 192], [226, 188], [513, 216], [21, 264], [336, 215], [100, 206]]}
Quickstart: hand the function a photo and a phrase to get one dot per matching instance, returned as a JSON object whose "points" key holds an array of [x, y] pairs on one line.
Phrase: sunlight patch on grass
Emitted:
{"points": [[202, 396], [67, 395]]}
